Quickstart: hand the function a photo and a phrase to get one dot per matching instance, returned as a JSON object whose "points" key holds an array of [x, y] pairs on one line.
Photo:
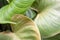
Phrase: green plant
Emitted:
{"points": [[30, 20]]}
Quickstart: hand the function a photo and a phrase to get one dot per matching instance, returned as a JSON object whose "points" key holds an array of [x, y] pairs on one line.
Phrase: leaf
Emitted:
{"points": [[48, 17], [56, 37], [4, 37], [25, 28], [41, 5], [15, 7], [48, 22], [30, 13], [9, 1]]}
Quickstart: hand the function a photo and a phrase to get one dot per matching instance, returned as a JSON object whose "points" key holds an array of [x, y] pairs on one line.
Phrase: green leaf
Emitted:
{"points": [[15, 7], [41, 5], [25, 28], [48, 22], [56, 37]]}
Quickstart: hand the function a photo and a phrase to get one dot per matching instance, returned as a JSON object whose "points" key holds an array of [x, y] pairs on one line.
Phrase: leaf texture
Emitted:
{"points": [[48, 22], [25, 28], [15, 7]]}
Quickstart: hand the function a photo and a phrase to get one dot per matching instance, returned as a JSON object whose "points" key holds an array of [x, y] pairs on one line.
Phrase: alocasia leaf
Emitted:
{"points": [[29, 13], [48, 22], [24, 29], [15, 7], [48, 19]]}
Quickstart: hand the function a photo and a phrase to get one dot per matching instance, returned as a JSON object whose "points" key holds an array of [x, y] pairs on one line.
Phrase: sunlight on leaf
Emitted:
{"points": [[9, 1], [48, 22]]}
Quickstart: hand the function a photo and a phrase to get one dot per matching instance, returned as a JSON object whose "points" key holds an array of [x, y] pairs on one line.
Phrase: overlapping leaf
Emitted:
{"points": [[24, 29], [48, 20], [15, 7], [41, 5], [56, 37]]}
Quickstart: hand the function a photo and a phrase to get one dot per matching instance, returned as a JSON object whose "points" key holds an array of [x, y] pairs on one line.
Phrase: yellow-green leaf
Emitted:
{"points": [[14, 7], [25, 28]]}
